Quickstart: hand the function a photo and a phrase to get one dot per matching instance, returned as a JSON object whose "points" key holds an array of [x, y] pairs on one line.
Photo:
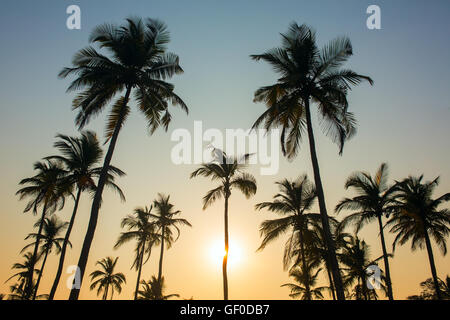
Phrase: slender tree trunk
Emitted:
{"points": [[141, 260], [40, 275], [105, 294], [386, 260], [330, 280], [29, 287], [432, 265], [304, 267], [225, 257], [163, 234], [82, 261], [64, 247], [323, 210]]}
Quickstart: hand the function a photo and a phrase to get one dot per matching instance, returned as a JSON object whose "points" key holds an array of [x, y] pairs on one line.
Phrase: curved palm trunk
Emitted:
{"points": [[323, 210], [432, 265], [386, 261], [225, 257], [28, 287], [64, 247], [82, 261], [40, 275], [163, 233], [141, 260]]}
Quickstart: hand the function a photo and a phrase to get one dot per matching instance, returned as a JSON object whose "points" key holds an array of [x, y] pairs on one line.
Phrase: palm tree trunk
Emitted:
{"points": [[323, 210], [82, 261], [141, 260], [432, 265], [304, 267], [29, 286], [163, 233], [386, 261], [64, 247], [225, 257], [40, 275], [105, 294], [330, 280]]}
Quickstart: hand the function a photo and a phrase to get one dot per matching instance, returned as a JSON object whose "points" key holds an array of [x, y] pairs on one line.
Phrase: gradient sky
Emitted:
{"points": [[403, 120]]}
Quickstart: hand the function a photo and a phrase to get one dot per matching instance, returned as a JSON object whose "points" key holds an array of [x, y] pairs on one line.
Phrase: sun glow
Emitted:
{"points": [[217, 252]]}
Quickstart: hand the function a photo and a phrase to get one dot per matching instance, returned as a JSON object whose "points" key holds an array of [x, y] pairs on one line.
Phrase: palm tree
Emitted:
{"points": [[417, 217], [26, 268], [355, 257], [45, 190], [135, 63], [310, 75], [143, 231], [373, 200], [154, 290], [229, 172], [429, 290], [106, 279], [80, 156], [307, 280], [50, 232], [293, 202], [165, 221]]}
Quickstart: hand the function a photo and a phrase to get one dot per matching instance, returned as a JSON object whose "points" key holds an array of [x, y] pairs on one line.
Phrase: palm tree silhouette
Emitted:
{"points": [[164, 219], [137, 63], [79, 156], [51, 229], [27, 267], [293, 202], [143, 231], [229, 172], [154, 290], [307, 280], [429, 290], [417, 217], [310, 75], [355, 256], [373, 200], [45, 190], [106, 279]]}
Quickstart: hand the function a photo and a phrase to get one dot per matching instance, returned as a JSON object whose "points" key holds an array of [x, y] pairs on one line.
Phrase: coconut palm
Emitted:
{"points": [[305, 286], [417, 217], [355, 258], [80, 157], [154, 290], [429, 290], [165, 221], [44, 190], [134, 63], [309, 75], [229, 173], [105, 278], [292, 203], [18, 290], [373, 200], [144, 232], [51, 230]]}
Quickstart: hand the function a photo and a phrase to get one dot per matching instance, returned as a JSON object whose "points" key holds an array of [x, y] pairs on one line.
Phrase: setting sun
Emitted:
{"points": [[217, 252]]}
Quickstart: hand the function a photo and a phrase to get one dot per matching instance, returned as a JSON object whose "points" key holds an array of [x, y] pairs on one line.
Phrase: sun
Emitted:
{"points": [[217, 252]]}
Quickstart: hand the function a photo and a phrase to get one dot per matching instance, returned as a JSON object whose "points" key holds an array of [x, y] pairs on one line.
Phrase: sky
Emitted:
{"points": [[402, 120]]}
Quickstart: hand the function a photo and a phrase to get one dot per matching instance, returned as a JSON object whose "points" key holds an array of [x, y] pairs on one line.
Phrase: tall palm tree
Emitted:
{"points": [[355, 257], [305, 288], [417, 217], [51, 230], [373, 200], [80, 157], [229, 172], [105, 278], [165, 221], [135, 63], [310, 75], [293, 202], [144, 232], [22, 276], [154, 290], [44, 190]]}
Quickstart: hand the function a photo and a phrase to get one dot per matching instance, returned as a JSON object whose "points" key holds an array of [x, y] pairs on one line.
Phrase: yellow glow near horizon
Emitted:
{"points": [[217, 252]]}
